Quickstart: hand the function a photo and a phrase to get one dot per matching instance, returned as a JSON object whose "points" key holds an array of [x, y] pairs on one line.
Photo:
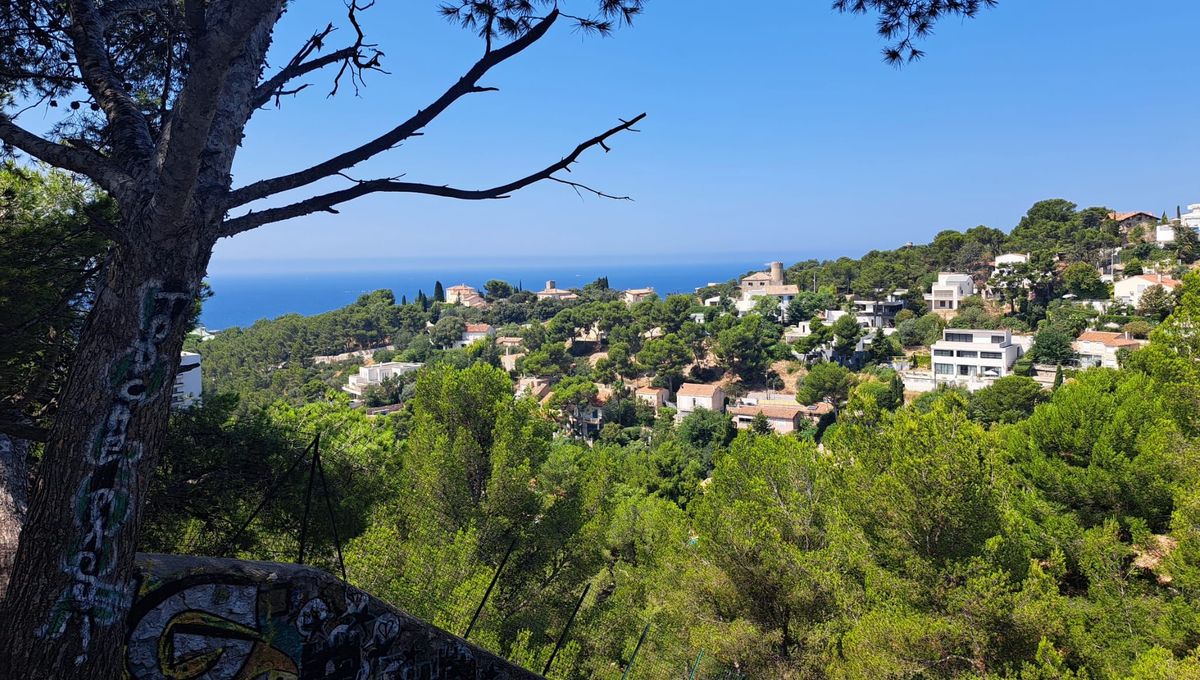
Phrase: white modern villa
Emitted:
{"points": [[186, 391], [974, 358], [376, 374], [949, 290]]}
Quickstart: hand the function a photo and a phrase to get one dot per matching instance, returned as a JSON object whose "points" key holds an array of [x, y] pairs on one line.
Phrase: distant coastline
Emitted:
{"points": [[243, 296]]}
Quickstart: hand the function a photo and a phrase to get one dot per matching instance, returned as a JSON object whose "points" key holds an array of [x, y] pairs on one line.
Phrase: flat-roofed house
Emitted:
{"points": [[376, 374], [974, 358], [1099, 348], [186, 391], [949, 290], [692, 396], [1191, 218]]}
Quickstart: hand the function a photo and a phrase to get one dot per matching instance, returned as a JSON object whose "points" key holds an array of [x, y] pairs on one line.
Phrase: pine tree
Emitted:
{"points": [[439, 293]]}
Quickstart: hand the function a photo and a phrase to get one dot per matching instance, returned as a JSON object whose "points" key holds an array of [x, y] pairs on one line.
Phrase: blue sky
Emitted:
{"points": [[774, 133]]}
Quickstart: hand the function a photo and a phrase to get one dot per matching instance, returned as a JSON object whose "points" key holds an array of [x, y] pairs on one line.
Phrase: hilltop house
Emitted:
{"points": [[186, 391], [1192, 217], [1099, 348], [464, 295], [474, 332], [636, 295], [1126, 221], [763, 284], [692, 396], [1129, 290], [552, 292], [949, 290], [1007, 261], [375, 374], [974, 358]]}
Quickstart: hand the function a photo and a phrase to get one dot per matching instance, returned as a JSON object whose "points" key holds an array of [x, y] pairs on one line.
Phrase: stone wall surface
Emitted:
{"points": [[221, 619]]}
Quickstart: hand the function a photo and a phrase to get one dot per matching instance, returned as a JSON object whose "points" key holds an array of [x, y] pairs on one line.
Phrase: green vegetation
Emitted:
{"points": [[1016, 532]]}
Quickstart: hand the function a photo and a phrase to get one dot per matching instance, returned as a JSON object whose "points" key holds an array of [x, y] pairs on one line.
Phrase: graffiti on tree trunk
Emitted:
{"points": [[102, 504]]}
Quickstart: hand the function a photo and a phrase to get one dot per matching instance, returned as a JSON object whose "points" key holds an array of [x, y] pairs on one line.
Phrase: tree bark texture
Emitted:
{"points": [[14, 482], [62, 622]]}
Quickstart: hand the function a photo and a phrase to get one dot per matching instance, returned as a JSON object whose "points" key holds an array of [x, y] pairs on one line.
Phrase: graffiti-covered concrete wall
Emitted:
{"points": [[218, 619]]}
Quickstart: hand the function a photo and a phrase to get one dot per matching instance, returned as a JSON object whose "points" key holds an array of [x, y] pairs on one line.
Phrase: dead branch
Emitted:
{"points": [[467, 84], [326, 202]]}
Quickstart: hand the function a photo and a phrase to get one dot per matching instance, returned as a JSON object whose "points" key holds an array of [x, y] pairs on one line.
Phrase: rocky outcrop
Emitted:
{"points": [[196, 617]]}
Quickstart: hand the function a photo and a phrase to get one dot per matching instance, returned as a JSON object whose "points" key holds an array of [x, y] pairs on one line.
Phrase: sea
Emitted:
{"points": [[245, 294]]}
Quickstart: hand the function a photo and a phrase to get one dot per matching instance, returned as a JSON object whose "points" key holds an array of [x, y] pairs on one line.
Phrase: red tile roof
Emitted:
{"points": [[1122, 216], [784, 411], [697, 390], [479, 328], [1164, 281], [1106, 338]]}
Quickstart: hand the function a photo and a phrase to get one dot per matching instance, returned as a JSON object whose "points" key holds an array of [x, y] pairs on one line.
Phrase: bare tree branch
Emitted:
{"points": [[326, 202], [467, 84], [128, 126], [76, 159], [274, 86]]}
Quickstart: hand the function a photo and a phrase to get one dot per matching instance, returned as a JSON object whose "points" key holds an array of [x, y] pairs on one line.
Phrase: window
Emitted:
{"points": [[943, 353], [959, 337], [943, 369], [997, 339], [966, 370], [991, 355], [968, 354]]}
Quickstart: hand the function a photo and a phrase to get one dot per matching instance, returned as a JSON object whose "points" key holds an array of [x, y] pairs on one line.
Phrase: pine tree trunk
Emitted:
{"points": [[64, 612], [14, 481]]}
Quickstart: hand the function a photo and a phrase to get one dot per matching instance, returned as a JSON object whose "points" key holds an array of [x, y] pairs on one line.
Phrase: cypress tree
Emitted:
{"points": [[439, 294], [896, 391], [1058, 377]]}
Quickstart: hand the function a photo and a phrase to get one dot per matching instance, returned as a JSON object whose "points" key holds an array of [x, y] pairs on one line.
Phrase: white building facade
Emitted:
{"points": [[474, 332], [376, 374], [1129, 290], [1191, 218], [949, 291], [692, 396], [186, 391], [974, 358]]}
